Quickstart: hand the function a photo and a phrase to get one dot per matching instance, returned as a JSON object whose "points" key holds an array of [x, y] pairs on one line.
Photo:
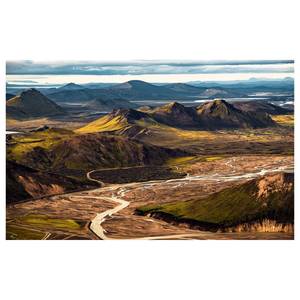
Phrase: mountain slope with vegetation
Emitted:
{"points": [[212, 115], [57, 150], [251, 205]]}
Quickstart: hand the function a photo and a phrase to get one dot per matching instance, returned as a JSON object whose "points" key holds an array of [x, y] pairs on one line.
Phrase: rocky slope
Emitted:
{"points": [[23, 183], [219, 114]]}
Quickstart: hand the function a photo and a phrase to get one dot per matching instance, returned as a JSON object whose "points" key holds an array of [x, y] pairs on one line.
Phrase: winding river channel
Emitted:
{"points": [[117, 193]]}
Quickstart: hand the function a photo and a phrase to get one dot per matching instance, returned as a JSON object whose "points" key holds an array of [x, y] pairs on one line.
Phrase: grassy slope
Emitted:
{"points": [[284, 120], [229, 207], [103, 124], [23, 144]]}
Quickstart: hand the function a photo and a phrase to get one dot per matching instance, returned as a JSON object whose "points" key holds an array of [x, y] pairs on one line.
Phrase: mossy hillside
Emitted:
{"points": [[15, 232], [46, 221], [105, 123], [230, 207], [284, 120], [23, 144]]}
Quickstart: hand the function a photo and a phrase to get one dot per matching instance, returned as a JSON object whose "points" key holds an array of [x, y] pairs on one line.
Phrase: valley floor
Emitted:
{"points": [[109, 212]]}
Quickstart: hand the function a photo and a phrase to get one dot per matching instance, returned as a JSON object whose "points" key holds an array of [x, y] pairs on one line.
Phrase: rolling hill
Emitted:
{"points": [[32, 103], [72, 95], [108, 105], [264, 204], [138, 89], [185, 88]]}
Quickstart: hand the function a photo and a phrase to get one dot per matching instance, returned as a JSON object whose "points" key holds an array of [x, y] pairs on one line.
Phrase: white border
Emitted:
{"points": [[123, 30]]}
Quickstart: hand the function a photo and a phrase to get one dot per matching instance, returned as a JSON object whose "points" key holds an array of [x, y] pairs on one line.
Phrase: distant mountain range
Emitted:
{"points": [[135, 90], [286, 83], [140, 90], [30, 104]]}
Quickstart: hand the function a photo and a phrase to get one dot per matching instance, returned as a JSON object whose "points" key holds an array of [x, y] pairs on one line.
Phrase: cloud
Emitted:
{"points": [[147, 67]]}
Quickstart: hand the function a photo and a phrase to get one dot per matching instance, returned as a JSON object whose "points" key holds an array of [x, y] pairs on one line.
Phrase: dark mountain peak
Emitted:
{"points": [[221, 114], [33, 103], [31, 92], [71, 86], [133, 84], [216, 106], [175, 114], [129, 114], [138, 83], [173, 106]]}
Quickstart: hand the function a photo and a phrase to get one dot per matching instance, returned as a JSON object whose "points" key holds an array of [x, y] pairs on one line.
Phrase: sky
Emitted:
{"points": [[61, 72]]}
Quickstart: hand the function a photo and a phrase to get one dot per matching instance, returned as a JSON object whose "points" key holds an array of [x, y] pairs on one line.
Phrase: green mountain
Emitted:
{"points": [[62, 151], [247, 205]]}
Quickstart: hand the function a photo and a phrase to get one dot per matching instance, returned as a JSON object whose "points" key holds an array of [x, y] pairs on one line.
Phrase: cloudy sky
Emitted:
{"points": [[58, 72]]}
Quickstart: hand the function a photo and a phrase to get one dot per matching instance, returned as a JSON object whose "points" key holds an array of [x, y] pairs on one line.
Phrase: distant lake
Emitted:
{"points": [[191, 102], [12, 132]]}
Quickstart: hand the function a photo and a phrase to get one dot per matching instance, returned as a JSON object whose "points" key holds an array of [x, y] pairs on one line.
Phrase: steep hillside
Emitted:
{"points": [[93, 151], [219, 114], [120, 121], [175, 114], [32, 103], [24, 183], [264, 204], [15, 113], [71, 154]]}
